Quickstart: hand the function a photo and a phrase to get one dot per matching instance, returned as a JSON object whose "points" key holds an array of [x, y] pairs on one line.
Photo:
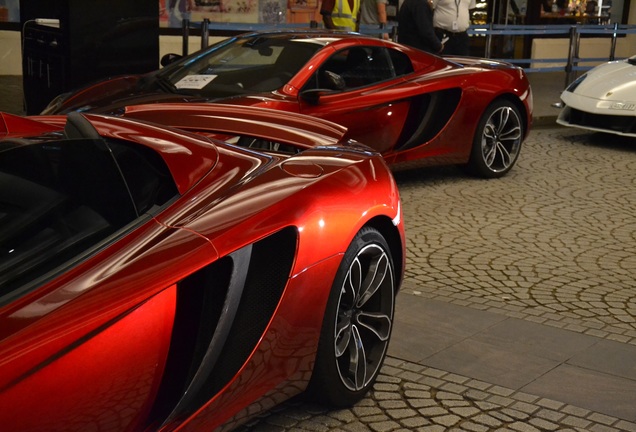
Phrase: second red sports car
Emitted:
{"points": [[415, 108]]}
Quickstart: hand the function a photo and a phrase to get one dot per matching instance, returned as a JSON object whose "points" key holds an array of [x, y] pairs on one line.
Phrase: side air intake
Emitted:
{"points": [[427, 116], [222, 312]]}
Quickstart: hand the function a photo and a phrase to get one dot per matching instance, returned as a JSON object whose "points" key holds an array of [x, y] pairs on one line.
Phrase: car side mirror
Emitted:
{"points": [[169, 59], [312, 96], [331, 81]]}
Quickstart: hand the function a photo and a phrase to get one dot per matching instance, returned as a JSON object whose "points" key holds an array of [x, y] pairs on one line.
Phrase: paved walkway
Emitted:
{"points": [[518, 312]]}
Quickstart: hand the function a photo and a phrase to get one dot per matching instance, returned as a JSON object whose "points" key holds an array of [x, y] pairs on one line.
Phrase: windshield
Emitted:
{"points": [[245, 65]]}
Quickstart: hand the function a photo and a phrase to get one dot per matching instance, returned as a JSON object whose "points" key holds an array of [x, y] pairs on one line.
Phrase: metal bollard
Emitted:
{"points": [[205, 33], [185, 29]]}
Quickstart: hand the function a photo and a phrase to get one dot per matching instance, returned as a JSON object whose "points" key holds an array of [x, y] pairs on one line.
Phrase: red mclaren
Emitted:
{"points": [[153, 278], [415, 108]]}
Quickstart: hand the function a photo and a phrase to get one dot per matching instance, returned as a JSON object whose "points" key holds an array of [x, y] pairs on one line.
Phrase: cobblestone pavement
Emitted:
{"points": [[554, 242], [410, 397]]}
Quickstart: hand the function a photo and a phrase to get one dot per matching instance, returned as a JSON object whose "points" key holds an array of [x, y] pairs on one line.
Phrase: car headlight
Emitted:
{"points": [[574, 84]]}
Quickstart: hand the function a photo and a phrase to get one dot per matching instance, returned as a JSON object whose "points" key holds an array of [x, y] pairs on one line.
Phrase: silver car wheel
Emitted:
{"points": [[364, 317], [501, 139]]}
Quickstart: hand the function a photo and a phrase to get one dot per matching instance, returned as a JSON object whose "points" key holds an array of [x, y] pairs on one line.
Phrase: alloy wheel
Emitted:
{"points": [[501, 139], [364, 317]]}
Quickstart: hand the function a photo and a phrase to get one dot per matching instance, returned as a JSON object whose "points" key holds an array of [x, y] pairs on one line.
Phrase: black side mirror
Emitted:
{"points": [[312, 96], [169, 59], [331, 82]]}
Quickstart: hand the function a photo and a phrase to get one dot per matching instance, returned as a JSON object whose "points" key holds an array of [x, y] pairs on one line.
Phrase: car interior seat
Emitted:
{"points": [[356, 72]]}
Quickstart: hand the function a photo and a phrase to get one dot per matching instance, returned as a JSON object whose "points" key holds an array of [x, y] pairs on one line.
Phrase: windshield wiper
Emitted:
{"points": [[166, 85]]}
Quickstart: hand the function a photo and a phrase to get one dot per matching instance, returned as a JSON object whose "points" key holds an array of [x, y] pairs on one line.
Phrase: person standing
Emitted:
{"points": [[179, 10], [373, 12], [452, 19], [340, 14], [415, 26]]}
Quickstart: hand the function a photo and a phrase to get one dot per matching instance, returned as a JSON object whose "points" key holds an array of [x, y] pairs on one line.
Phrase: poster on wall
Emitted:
{"points": [[10, 11], [172, 12], [272, 11]]}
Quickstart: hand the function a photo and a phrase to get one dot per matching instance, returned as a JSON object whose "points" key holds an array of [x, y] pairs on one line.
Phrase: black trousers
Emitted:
{"points": [[457, 44]]}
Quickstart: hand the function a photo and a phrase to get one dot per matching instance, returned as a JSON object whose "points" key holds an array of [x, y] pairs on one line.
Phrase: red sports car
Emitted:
{"points": [[156, 279], [415, 108]]}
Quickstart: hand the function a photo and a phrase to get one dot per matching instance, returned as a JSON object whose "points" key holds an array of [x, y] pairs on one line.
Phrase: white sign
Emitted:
{"points": [[195, 81]]}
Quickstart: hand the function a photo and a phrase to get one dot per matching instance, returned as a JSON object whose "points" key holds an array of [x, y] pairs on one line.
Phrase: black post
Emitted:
{"points": [[613, 48], [205, 33], [185, 28]]}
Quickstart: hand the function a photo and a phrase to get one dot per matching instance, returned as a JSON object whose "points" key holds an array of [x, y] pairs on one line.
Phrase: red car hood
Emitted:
{"points": [[111, 96]]}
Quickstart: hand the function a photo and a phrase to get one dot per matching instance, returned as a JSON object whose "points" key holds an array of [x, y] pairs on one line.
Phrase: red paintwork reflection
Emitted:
{"points": [[105, 381]]}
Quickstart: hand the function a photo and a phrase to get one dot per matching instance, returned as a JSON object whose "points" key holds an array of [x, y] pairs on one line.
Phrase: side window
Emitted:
{"points": [[57, 200], [61, 199], [147, 177], [401, 62], [358, 67]]}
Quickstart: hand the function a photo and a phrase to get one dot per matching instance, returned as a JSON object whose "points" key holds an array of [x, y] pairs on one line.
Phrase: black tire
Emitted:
{"points": [[360, 307], [497, 140]]}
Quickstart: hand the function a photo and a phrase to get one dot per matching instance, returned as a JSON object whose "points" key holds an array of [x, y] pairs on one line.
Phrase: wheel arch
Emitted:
{"points": [[514, 99], [392, 236]]}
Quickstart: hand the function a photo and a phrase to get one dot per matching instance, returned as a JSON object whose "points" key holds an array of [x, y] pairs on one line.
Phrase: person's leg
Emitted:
{"points": [[462, 44], [452, 47]]}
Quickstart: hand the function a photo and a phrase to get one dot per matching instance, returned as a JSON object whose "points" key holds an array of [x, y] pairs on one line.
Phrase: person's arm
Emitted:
{"points": [[325, 10], [382, 17], [471, 8], [381, 12], [327, 21]]}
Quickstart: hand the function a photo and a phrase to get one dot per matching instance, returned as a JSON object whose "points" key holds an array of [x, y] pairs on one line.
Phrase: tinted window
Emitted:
{"points": [[60, 199], [358, 67], [401, 62], [146, 175]]}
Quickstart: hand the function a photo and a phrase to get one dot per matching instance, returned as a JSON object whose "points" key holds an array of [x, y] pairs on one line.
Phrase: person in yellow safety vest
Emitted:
{"points": [[340, 14]]}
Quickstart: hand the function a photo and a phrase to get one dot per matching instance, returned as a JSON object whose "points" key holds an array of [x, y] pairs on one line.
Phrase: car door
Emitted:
{"points": [[359, 87]]}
